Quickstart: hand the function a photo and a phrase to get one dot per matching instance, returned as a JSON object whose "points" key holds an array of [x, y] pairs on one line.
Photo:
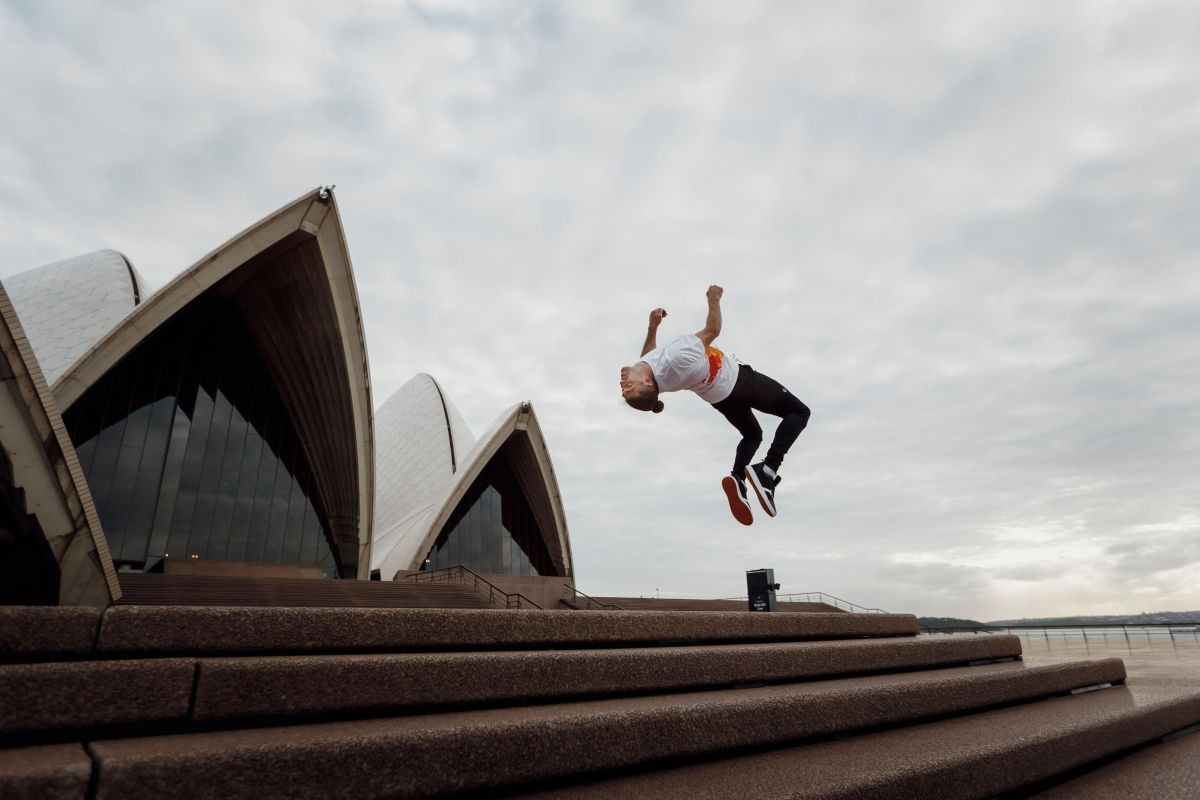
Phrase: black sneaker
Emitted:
{"points": [[739, 502], [764, 487]]}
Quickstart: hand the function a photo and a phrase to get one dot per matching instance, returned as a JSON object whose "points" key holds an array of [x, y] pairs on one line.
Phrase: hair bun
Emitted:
{"points": [[658, 407]]}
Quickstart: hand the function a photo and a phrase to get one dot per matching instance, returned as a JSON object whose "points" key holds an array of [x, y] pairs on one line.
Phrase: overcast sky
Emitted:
{"points": [[964, 233]]}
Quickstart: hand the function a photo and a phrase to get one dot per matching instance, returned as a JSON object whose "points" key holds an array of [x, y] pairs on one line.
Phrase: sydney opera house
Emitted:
{"points": [[223, 424]]}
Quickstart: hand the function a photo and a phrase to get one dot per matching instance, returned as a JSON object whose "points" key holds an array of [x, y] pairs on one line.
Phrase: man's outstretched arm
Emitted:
{"points": [[712, 325], [656, 317]]}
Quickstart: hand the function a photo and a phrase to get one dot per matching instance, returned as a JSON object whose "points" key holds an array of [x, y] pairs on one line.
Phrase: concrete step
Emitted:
{"points": [[66, 696], [45, 773], [316, 701], [150, 630], [83, 694], [974, 756], [327, 684], [478, 750], [1162, 771], [213, 590], [46, 633]]}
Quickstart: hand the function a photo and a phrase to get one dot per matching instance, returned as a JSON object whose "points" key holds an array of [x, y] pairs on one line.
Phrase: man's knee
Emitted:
{"points": [[802, 413], [752, 435]]}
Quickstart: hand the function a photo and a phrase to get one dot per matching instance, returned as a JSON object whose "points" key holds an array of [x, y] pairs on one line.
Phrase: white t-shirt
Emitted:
{"points": [[685, 363]]}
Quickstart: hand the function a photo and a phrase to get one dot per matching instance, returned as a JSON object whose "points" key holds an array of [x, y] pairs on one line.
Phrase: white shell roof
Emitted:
{"points": [[68, 306], [420, 438], [418, 529], [101, 301]]}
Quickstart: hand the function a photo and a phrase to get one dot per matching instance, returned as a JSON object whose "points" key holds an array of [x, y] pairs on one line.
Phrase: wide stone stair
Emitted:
{"points": [[227, 702], [212, 590]]}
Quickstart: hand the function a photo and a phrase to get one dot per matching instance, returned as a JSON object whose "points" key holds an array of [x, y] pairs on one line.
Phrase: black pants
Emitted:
{"points": [[756, 392]]}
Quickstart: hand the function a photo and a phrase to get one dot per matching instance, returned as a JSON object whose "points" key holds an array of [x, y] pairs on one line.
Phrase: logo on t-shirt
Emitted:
{"points": [[715, 359]]}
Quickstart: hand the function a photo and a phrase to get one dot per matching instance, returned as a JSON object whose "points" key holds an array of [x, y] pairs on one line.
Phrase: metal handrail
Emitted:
{"points": [[1172, 627], [591, 603], [494, 593], [821, 597], [1097, 633]]}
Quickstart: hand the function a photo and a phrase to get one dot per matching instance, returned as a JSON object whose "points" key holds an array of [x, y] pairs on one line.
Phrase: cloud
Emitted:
{"points": [[964, 237]]}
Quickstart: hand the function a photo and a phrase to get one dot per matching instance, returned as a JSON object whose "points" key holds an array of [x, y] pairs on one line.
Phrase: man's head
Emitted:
{"points": [[639, 388]]}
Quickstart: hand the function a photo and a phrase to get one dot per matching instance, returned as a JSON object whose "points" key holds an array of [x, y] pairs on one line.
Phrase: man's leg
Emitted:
{"points": [[742, 418], [734, 485], [767, 395]]}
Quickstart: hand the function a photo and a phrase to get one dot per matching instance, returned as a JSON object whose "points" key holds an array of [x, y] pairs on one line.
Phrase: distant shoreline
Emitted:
{"points": [[1159, 617]]}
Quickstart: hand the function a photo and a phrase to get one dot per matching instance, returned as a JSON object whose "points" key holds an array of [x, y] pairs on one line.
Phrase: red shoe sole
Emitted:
{"points": [[739, 508]]}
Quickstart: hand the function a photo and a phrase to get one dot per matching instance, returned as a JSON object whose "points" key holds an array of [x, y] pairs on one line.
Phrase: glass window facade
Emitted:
{"points": [[493, 529], [190, 453]]}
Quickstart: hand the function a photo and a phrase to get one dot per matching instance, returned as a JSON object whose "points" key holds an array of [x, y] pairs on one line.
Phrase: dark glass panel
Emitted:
{"points": [[189, 477], [493, 529], [295, 524], [239, 533], [189, 451], [475, 537], [227, 486], [104, 463], [84, 453], [113, 432], [308, 540], [453, 550], [277, 526], [136, 425], [477, 532], [200, 535], [506, 545], [150, 470], [169, 487], [125, 472], [325, 553], [256, 546], [439, 560]]}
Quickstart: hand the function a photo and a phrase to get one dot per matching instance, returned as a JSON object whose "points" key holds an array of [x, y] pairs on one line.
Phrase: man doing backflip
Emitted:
{"points": [[691, 362]]}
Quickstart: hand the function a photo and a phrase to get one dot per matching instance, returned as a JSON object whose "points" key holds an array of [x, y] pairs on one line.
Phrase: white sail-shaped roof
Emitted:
{"points": [[516, 436], [420, 441], [320, 366], [68, 306]]}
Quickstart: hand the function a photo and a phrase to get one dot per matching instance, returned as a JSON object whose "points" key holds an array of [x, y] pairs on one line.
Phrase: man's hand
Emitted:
{"points": [[656, 316], [714, 293]]}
